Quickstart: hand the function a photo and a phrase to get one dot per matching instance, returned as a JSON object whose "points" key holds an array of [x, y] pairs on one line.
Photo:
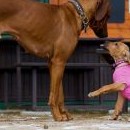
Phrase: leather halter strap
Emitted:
{"points": [[81, 13]]}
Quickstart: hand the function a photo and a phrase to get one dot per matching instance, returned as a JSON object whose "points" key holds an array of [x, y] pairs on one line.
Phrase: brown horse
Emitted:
{"points": [[52, 31]]}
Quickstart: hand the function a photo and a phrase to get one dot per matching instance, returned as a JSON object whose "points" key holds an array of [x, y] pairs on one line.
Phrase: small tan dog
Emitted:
{"points": [[121, 76]]}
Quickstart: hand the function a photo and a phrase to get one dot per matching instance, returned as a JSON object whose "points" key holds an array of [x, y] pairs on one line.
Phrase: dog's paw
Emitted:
{"points": [[91, 94]]}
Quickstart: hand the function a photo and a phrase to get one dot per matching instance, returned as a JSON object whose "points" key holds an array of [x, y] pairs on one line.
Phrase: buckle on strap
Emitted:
{"points": [[81, 13]]}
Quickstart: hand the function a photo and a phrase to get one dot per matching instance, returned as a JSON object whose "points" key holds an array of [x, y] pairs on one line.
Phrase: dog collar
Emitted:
{"points": [[81, 13], [118, 63]]}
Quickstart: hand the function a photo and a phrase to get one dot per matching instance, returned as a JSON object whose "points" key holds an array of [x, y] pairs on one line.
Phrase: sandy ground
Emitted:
{"points": [[43, 120]]}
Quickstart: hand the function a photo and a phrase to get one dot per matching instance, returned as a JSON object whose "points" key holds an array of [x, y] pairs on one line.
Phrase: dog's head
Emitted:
{"points": [[98, 21], [118, 50]]}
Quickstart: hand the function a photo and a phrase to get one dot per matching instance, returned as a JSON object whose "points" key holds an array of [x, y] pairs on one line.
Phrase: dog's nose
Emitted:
{"points": [[104, 46]]}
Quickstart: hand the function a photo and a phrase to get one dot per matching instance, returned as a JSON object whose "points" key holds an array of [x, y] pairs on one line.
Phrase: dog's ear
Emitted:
{"points": [[127, 55], [103, 7]]}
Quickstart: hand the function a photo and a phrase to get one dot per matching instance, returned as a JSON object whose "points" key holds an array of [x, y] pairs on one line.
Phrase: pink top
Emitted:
{"points": [[122, 75]]}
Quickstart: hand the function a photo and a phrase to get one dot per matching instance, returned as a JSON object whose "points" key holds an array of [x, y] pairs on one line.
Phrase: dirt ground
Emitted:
{"points": [[23, 120]]}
